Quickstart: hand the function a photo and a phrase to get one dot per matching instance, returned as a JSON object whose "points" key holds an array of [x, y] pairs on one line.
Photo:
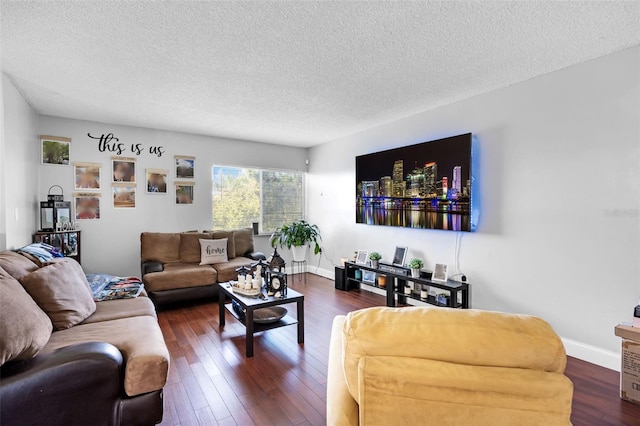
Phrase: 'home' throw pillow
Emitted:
{"points": [[213, 251]]}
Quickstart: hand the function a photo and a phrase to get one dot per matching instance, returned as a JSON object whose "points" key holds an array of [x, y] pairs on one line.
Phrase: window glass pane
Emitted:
{"points": [[243, 196], [236, 197], [282, 199]]}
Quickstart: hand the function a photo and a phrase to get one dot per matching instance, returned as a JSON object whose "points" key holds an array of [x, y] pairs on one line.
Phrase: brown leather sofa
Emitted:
{"points": [[171, 269], [67, 360]]}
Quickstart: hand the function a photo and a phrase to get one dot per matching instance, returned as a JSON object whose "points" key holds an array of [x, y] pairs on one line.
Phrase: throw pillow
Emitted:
{"points": [[213, 251], [16, 264], [24, 328], [243, 239], [189, 247], [231, 245], [61, 289]]}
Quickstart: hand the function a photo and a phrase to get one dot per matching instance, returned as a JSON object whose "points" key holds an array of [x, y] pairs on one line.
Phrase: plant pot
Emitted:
{"points": [[299, 253], [374, 264], [415, 272]]}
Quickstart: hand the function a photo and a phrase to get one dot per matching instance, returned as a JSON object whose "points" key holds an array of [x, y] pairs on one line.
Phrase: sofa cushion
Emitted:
{"points": [[163, 247], [468, 336], [227, 270], [24, 328], [213, 251], [138, 338], [435, 390], [16, 264], [190, 246], [121, 308], [243, 239], [180, 275], [231, 244], [61, 289]]}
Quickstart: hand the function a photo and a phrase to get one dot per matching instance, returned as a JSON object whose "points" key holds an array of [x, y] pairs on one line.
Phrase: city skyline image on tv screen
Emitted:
{"points": [[427, 186]]}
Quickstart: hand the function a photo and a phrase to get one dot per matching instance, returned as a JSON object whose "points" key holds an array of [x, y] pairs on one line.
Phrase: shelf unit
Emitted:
{"points": [[68, 242], [399, 277]]}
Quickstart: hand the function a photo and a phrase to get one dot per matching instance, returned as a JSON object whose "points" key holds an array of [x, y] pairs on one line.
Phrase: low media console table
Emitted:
{"points": [[398, 278]]}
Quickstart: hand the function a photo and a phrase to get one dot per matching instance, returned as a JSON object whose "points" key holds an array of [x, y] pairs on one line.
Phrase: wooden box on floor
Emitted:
{"points": [[630, 369]]}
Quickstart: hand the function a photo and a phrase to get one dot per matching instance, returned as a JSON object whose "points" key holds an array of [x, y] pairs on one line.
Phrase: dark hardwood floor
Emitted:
{"points": [[211, 382]]}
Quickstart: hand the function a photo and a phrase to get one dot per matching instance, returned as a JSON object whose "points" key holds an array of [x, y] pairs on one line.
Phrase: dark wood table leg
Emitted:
{"points": [[249, 326], [300, 304], [221, 300]]}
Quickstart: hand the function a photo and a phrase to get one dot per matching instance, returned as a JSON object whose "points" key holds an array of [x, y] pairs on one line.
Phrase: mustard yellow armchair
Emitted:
{"points": [[433, 366]]}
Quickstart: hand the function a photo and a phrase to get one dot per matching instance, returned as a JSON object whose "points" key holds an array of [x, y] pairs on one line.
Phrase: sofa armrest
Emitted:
{"points": [[256, 255], [148, 267], [75, 385], [342, 409]]}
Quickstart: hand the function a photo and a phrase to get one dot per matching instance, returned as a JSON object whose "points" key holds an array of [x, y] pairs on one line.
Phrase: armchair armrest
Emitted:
{"points": [[256, 255], [75, 385], [148, 267]]}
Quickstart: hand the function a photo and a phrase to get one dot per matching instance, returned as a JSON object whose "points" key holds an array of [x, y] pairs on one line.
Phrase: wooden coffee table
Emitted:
{"points": [[251, 304]]}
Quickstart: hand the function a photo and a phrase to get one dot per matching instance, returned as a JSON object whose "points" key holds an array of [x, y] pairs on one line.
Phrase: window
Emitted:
{"points": [[242, 196]]}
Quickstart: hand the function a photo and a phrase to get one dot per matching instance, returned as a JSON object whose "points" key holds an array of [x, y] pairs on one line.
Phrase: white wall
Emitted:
{"points": [[559, 188], [19, 164], [112, 244]]}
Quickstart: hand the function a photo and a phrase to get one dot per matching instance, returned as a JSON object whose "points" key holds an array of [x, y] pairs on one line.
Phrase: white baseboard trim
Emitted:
{"points": [[589, 353], [592, 354]]}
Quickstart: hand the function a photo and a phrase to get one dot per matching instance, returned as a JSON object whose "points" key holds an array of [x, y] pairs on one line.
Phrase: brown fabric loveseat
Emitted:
{"points": [[68, 360], [171, 269]]}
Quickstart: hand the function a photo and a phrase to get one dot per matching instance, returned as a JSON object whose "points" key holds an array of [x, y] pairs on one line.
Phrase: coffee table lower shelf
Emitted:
{"points": [[257, 327]]}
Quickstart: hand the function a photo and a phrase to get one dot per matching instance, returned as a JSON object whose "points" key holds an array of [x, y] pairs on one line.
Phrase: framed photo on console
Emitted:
{"points": [[361, 258], [399, 256], [440, 273]]}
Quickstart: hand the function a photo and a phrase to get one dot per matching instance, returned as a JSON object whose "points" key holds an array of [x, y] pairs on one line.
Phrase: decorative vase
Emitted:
{"points": [[374, 264], [382, 281], [358, 274], [415, 272], [299, 253]]}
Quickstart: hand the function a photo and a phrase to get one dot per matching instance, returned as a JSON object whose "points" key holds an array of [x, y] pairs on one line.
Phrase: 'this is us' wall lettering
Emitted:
{"points": [[110, 143]]}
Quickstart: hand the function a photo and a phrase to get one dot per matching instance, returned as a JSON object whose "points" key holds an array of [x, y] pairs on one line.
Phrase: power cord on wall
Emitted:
{"points": [[458, 273]]}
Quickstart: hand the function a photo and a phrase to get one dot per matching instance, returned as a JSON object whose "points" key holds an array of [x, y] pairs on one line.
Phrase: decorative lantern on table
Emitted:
{"points": [[262, 268]]}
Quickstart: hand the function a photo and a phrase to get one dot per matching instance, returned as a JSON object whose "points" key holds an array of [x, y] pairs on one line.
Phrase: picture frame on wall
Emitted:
{"points": [[361, 258], [156, 181], [87, 206], [123, 169], [184, 192], [185, 166], [55, 150], [87, 176], [440, 273], [124, 195], [399, 256]]}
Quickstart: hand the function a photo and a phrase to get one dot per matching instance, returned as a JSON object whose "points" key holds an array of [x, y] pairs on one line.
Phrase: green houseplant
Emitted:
{"points": [[297, 236], [416, 264], [374, 257]]}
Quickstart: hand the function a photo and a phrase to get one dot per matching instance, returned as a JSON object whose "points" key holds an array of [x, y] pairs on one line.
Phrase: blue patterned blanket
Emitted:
{"points": [[109, 287]]}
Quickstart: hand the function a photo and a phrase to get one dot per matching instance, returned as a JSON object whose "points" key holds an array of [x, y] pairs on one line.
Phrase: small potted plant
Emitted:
{"points": [[297, 237], [374, 257], [416, 264]]}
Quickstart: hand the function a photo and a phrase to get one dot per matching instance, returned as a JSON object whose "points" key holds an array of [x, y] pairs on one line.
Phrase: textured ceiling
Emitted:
{"points": [[294, 73]]}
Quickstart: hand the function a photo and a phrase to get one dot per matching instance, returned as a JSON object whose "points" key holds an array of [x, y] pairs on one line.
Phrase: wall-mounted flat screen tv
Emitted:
{"points": [[427, 185]]}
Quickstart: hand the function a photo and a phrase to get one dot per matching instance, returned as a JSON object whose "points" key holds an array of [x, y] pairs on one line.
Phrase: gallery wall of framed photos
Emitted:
{"points": [[122, 181]]}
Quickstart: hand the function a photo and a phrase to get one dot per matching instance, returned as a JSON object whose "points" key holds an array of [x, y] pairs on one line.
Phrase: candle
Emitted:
{"points": [[423, 294], [256, 283], [407, 290], [241, 279]]}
